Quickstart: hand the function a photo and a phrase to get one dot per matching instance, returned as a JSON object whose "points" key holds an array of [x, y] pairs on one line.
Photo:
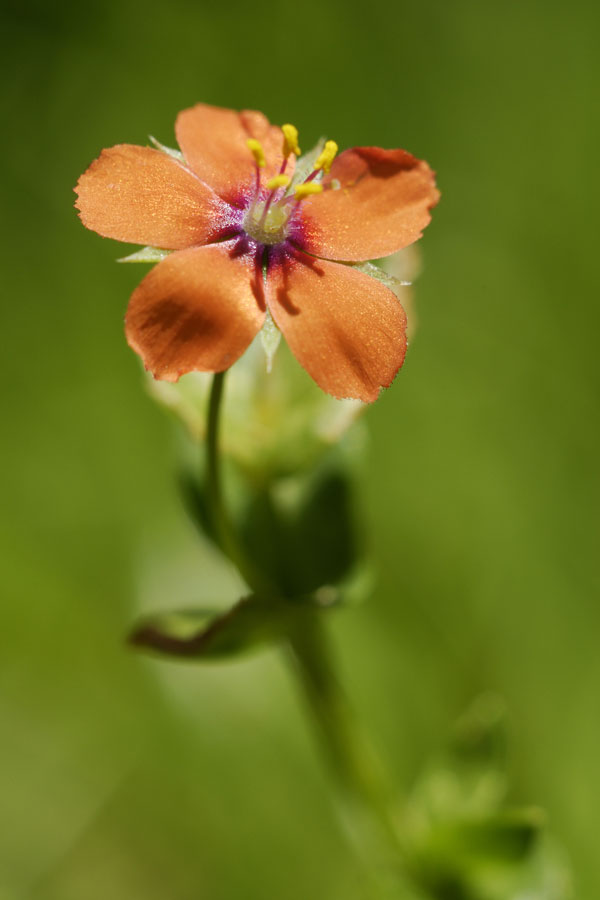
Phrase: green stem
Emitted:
{"points": [[364, 791], [221, 522], [363, 787]]}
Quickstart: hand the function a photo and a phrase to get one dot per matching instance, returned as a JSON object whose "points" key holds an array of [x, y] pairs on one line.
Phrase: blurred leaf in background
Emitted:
{"points": [[465, 839]]}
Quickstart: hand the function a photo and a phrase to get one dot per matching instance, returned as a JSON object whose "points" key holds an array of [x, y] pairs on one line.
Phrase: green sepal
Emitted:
{"points": [[379, 274], [145, 255], [270, 338], [174, 154]]}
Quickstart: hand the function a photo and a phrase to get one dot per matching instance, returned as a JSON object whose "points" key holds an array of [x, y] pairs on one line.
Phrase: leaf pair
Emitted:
{"points": [[299, 531]]}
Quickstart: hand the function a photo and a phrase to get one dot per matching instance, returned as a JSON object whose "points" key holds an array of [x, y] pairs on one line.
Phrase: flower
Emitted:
{"points": [[255, 243]]}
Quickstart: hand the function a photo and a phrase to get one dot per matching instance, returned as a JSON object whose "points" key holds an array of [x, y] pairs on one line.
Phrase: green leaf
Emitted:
{"points": [[324, 538], [206, 635], [454, 859], [302, 532], [299, 531], [507, 837]]}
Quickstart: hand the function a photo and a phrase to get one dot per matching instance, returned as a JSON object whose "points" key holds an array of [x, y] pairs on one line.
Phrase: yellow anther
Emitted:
{"points": [[326, 156], [290, 140], [306, 189], [255, 148], [277, 182]]}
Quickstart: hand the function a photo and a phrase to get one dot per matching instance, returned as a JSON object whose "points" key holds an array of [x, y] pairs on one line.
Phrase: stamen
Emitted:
{"points": [[311, 175], [290, 140], [273, 184], [255, 148], [278, 181], [327, 156], [305, 190]]}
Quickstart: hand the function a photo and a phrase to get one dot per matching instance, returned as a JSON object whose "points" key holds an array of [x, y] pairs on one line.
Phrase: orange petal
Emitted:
{"points": [[382, 205], [347, 329], [142, 196], [197, 310], [213, 141]]}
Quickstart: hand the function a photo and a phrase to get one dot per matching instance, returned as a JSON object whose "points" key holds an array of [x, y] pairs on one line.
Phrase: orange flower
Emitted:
{"points": [[252, 239]]}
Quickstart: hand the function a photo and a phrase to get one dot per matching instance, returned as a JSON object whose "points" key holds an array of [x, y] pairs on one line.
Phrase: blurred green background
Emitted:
{"points": [[124, 777]]}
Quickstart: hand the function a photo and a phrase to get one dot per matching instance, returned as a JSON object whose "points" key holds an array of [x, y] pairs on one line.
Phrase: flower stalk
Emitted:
{"points": [[362, 786], [223, 528]]}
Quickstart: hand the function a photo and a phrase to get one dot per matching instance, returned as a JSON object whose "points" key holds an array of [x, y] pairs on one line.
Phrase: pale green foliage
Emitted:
{"points": [[273, 422], [175, 154], [270, 337]]}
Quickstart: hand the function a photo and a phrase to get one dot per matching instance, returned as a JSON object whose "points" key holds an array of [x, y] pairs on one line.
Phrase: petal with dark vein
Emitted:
{"points": [[347, 329], [197, 310]]}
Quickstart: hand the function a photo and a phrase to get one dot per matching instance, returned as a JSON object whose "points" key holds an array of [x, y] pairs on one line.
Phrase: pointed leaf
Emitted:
{"points": [[507, 837], [302, 532], [203, 635]]}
